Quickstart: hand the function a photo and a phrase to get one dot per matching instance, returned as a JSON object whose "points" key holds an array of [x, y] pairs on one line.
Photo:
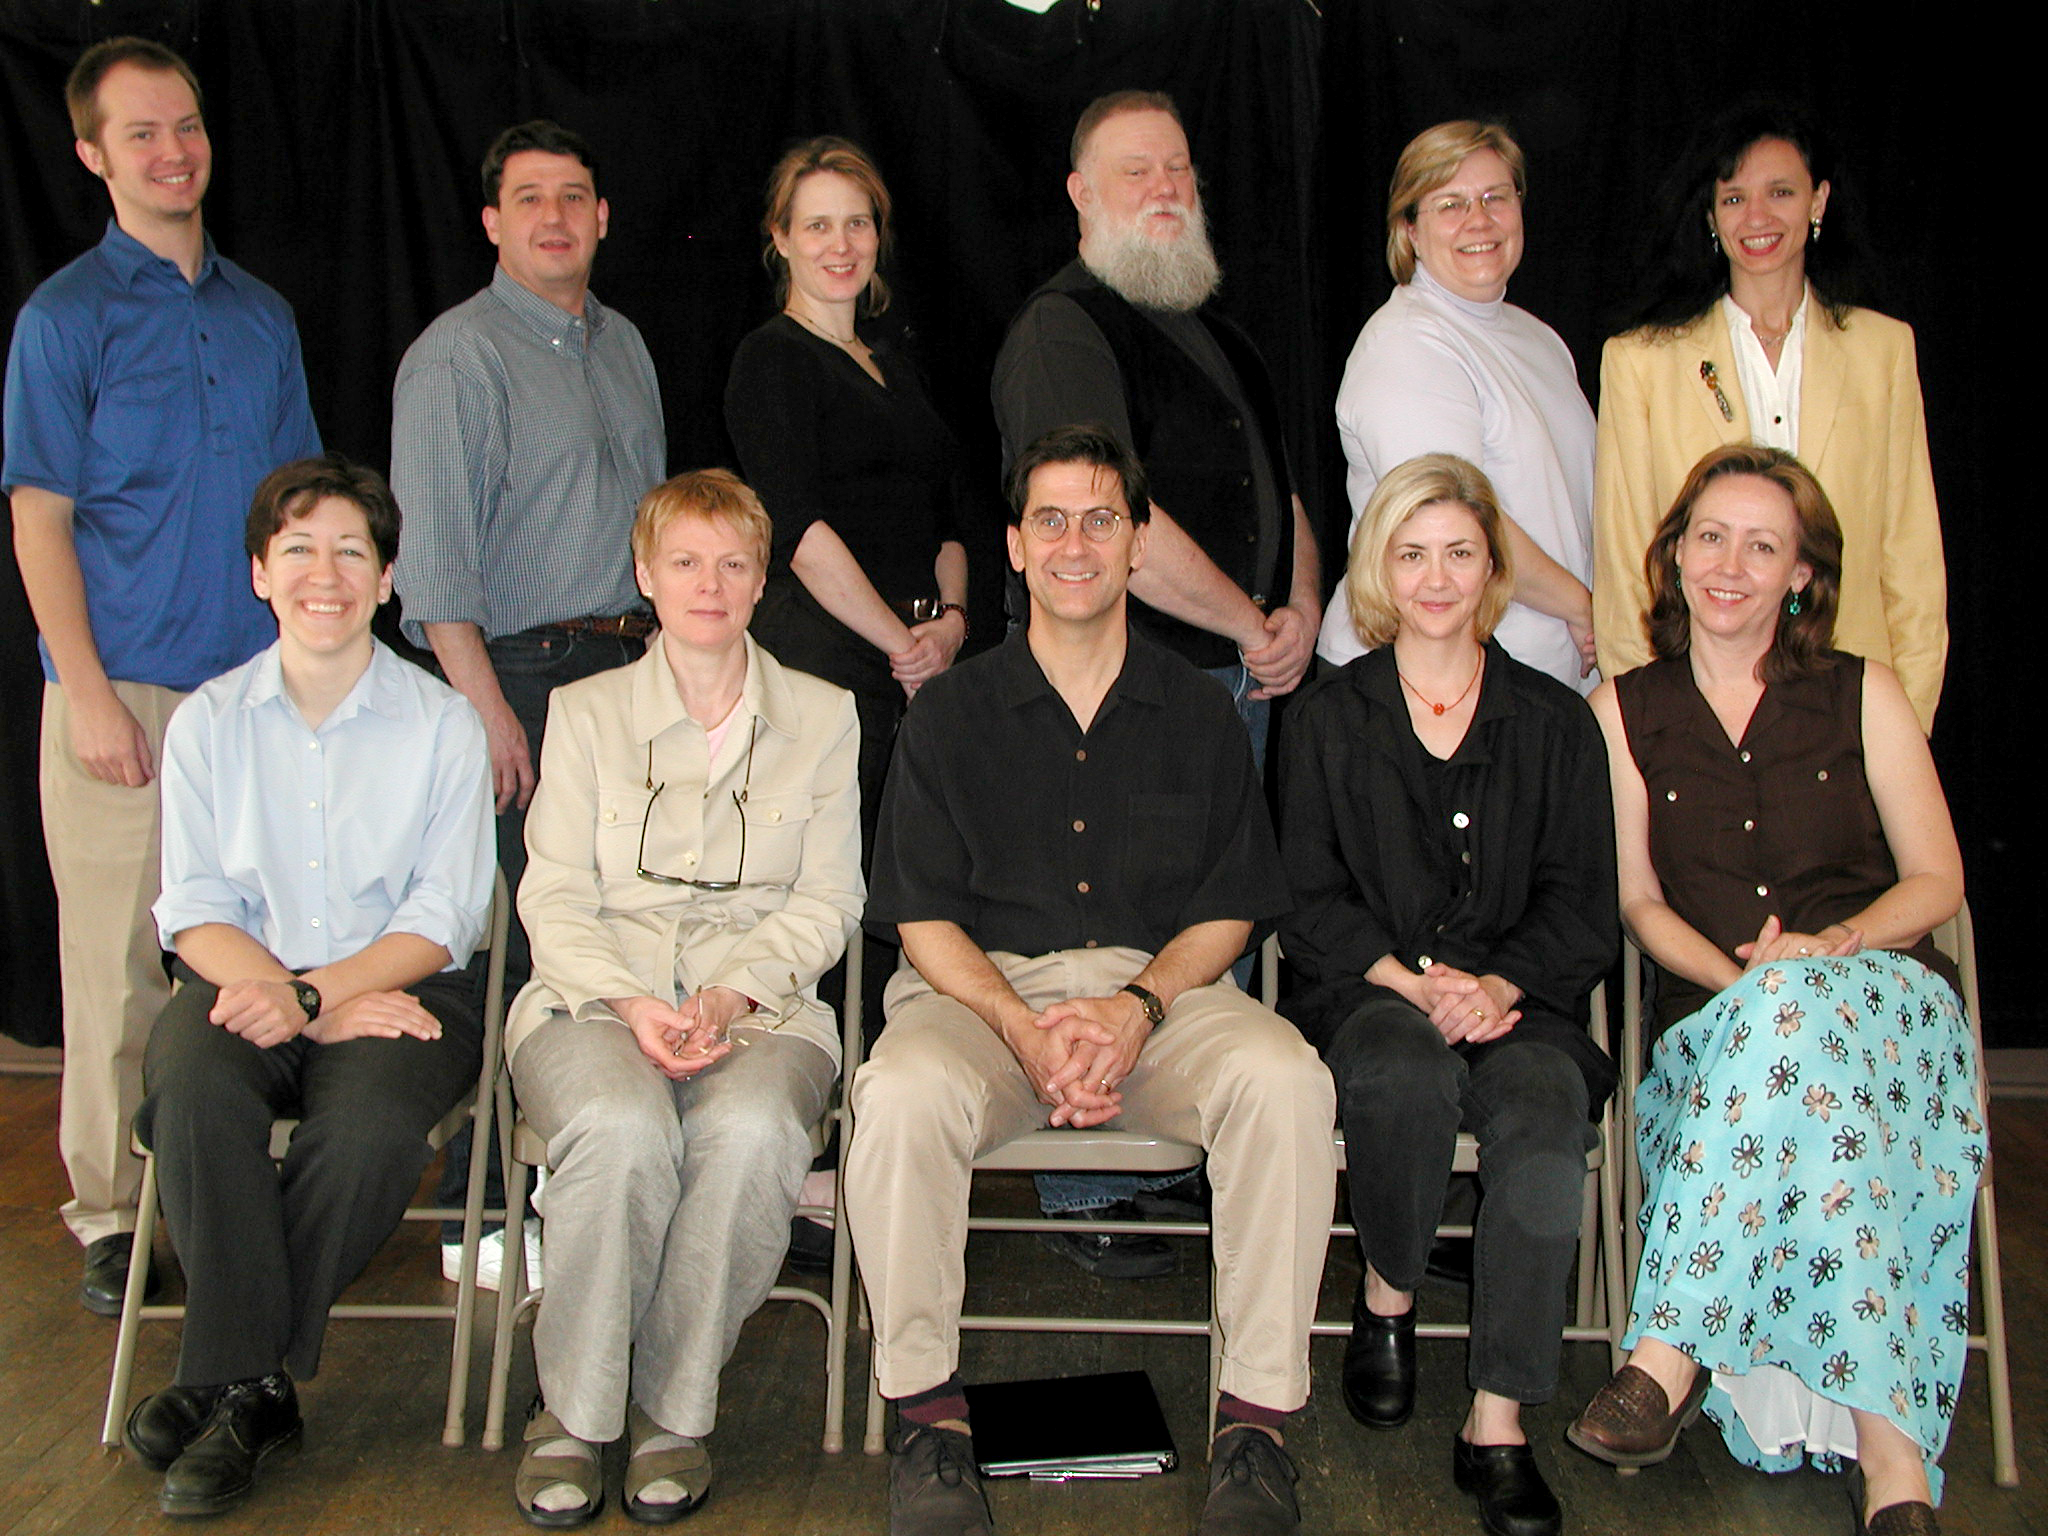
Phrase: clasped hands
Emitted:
{"points": [[933, 645], [1773, 942], [682, 1041], [1076, 1052], [1467, 1008], [267, 1013]]}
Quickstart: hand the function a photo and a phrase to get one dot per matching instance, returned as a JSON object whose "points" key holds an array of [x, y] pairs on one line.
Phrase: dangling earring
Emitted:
{"points": [[1792, 607], [1713, 235], [1814, 225]]}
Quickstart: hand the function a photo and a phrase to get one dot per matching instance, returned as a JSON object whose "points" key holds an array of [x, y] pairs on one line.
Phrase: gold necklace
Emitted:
{"points": [[848, 342]]}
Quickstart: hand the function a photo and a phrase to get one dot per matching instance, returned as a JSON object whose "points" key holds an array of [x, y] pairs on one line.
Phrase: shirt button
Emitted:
{"points": [[1745, 756], [1081, 756], [209, 378], [1461, 821], [1423, 962], [690, 858], [1749, 826], [312, 746], [611, 815], [1081, 886], [312, 805], [1080, 826], [775, 815], [1466, 856], [313, 922], [1670, 794], [1822, 775], [312, 863], [1763, 890]]}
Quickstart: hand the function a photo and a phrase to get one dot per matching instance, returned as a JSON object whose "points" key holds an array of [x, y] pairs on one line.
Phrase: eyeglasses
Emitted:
{"points": [[1098, 525], [739, 804], [1453, 208]]}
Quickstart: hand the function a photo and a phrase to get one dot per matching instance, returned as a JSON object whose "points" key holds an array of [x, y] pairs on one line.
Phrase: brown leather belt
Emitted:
{"points": [[626, 626]]}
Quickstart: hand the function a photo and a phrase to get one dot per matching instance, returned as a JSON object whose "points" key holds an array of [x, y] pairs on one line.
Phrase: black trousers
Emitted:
{"points": [[1403, 1094], [267, 1247]]}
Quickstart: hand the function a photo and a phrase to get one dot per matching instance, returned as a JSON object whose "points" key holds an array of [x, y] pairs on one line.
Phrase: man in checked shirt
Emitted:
{"points": [[525, 427]]}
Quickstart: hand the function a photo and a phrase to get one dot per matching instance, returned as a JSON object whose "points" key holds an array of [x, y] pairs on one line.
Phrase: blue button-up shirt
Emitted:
{"points": [[318, 843], [157, 405]]}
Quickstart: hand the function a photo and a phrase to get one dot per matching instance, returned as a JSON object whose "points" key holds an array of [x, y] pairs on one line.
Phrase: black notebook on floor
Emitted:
{"points": [[1070, 1426]]}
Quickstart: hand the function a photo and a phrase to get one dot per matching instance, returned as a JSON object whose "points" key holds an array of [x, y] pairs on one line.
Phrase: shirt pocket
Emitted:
{"points": [[775, 827], [622, 816], [140, 422], [1166, 842]]}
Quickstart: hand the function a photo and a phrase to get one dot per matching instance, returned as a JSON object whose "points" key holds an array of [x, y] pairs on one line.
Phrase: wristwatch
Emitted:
{"points": [[1155, 1010], [309, 998]]}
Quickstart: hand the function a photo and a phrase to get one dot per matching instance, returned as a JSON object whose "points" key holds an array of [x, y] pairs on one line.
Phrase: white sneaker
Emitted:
{"points": [[490, 1258]]}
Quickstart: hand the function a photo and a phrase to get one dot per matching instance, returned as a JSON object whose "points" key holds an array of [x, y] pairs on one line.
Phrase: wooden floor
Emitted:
{"points": [[373, 1461]]}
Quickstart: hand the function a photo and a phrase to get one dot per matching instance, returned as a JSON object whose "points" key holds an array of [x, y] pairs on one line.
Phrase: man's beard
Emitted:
{"points": [[1179, 274]]}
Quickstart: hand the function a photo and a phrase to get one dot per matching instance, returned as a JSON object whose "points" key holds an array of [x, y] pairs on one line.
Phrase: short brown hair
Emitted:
{"points": [[842, 157], [292, 491], [1103, 108], [1404, 491], [1431, 159], [82, 87], [1083, 443], [1803, 642], [711, 493], [543, 136]]}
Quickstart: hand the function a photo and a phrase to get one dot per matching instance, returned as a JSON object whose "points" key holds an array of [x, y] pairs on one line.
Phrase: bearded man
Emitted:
{"points": [[1124, 338]]}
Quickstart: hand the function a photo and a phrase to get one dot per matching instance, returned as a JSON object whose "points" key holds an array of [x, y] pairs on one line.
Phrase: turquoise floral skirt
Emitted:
{"points": [[1810, 1145]]}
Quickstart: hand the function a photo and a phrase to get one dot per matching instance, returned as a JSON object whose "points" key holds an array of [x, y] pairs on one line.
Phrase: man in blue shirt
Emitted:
{"points": [[326, 876], [150, 385]]}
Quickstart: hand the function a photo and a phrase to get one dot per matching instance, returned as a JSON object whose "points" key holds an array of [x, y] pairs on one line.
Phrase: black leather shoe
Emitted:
{"points": [[1110, 1255], [105, 1285], [217, 1471], [935, 1486], [1379, 1367], [1513, 1498], [162, 1425], [1450, 1260], [1251, 1486]]}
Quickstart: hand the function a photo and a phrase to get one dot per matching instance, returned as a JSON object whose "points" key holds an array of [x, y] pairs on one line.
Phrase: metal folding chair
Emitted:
{"points": [[475, 1109]]}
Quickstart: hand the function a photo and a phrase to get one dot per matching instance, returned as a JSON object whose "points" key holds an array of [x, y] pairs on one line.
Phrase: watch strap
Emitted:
{"points": [[1155, 1010]]}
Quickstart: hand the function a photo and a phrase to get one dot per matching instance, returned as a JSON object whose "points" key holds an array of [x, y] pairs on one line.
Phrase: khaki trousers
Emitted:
{"points": [[1222, 1071], [103, 841]]}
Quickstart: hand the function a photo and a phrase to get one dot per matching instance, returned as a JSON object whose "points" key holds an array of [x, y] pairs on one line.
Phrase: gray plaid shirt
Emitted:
{"points": [[522, 438]]}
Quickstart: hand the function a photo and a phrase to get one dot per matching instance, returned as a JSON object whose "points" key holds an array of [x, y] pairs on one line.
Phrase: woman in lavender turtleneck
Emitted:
{"points": [[1447, 365]]}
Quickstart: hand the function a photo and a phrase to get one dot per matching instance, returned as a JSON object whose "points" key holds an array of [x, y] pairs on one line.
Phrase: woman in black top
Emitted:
{"points": [[867, 579], [1447, 834]]}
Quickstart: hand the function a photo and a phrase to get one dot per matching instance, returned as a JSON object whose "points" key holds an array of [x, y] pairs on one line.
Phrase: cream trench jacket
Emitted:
{"points": [[600, 931], [1863, 433]]}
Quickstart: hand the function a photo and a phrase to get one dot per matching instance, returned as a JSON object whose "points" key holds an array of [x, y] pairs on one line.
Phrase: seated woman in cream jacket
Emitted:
{"points": [[694, 866]]}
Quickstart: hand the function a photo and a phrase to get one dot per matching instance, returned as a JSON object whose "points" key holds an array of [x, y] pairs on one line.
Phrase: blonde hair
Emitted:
{"points": [[1404, 491], [842, 157], [1431, 159], [709, 493]]}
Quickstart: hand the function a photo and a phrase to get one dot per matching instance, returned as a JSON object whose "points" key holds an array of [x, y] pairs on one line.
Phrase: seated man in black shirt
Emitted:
{"points": [[1071, 921]]}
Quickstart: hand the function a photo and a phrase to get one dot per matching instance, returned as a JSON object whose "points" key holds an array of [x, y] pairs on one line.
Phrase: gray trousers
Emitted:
{"points": [[1222, 1073], [667, 1213]]}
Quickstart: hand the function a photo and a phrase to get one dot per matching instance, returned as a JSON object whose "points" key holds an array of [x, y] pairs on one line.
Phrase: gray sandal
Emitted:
{"points": [[541, 1469], [687, 1467]]}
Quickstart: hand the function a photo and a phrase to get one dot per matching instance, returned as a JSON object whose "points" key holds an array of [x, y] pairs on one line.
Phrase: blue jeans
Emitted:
{"points": [[1059, 1193]]}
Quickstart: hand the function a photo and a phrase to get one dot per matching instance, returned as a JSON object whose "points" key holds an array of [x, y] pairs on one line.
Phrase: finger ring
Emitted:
{"points": [[1804, 950], [1479, 1014], [1104, 1085]]}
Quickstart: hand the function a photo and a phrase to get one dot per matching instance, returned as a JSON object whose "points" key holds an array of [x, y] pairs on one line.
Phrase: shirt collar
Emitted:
{"points": [[129, 257], [545, 316], [658, 706], [380, 690], [1020, 679], [1376, 676], [1484, 310]]}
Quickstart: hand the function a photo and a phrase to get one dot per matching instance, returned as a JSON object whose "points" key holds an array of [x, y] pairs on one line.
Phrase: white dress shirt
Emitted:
{"points": [[318, 843], [1772, 394]]}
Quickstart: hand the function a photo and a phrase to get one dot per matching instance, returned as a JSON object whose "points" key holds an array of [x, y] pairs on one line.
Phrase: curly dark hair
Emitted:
{"points": [[1685, 275], [1803, 644]]}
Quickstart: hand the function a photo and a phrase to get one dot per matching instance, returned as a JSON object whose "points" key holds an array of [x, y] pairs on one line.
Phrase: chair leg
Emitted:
{"points": [[1589, 1249], [130, 1327], [874, 1442], [836, 1330], [1615, 1279], [511, 1293], [453, 1429], [2004, 1463]]}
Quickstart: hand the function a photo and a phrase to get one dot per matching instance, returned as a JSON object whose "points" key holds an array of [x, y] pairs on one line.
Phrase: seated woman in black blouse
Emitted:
{"points": [[1447, 832]]}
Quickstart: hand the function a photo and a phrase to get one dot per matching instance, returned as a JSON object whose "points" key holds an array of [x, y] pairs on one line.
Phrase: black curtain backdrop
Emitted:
{"points": [[347, 134]]}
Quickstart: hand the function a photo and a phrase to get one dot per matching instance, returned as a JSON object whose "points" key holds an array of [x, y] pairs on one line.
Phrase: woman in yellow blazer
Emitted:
{"points": [[694, 867], [1751, 334]]}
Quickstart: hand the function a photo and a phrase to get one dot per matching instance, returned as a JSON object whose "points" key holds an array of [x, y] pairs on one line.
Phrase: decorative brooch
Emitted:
{"points": [[1713, 380]]}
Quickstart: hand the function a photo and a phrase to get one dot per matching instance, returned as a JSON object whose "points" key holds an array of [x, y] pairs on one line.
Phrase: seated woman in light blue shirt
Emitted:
{"points": [[326, 877]]}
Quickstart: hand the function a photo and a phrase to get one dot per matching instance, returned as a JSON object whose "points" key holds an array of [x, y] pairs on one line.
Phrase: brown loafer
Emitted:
{"points": [[1631, 1423]]}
